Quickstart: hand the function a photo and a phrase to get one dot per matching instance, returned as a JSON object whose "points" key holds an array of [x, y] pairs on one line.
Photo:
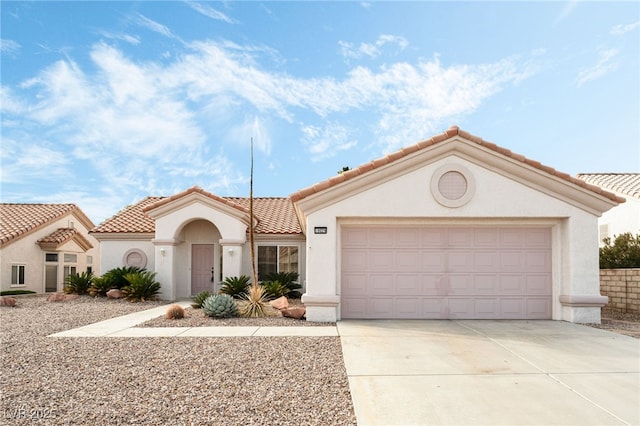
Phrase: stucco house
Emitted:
{"points": [[453, 227], [40, 244], [624, 217]]}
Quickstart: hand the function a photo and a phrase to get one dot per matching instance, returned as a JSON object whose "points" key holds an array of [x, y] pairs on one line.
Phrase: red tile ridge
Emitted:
{"points": [[194, 189]]}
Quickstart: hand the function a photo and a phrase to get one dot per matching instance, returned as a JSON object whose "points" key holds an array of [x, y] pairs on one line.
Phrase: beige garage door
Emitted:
{"points": [[446, 272]]}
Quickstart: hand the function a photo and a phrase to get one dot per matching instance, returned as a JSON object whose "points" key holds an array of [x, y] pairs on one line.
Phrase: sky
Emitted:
{"points": [[105, 103]]}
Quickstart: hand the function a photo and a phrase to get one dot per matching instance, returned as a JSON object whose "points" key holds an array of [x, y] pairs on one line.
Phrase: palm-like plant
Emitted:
{"points": [[287, 279], [235, 286], [78, 283], [142, 286]]}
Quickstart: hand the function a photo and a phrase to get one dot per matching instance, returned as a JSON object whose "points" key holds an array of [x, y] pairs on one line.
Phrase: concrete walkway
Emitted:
{"points": [[490, 373], [125, 326]]}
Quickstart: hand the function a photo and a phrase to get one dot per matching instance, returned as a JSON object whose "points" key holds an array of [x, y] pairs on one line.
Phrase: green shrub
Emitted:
{"points": [[100, 286], [16, 292], [117, 276], [142, 286], [274, 289], [255, 302], [199, 299], [287, 279], [220, 306], [235, 286], [624, 252], [77, 283]]}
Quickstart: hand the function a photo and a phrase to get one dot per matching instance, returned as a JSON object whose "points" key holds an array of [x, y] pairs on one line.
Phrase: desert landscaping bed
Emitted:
{"points": [[178, 381]]}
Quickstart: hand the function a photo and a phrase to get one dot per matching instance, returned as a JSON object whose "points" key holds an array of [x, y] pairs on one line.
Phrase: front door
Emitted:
{"points": [[202, 273]]}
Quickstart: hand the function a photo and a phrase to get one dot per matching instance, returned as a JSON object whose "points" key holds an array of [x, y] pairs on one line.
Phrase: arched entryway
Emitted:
{"points": [[200, 252]]}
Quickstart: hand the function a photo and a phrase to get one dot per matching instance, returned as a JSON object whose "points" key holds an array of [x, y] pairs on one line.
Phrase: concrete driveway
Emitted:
{"points": [[490, 373]]}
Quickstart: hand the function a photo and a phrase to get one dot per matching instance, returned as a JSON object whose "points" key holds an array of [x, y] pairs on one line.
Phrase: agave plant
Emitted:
{"points": [[235, 287], [199, 299], [220, 306], [255, 302]]}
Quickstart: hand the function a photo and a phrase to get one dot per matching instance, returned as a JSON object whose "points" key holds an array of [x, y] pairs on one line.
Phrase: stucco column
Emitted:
{"points": [[165, 254], [231, 257]]}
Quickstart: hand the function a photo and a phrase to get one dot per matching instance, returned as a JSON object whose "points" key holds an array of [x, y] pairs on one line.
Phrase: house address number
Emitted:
{"points": [[320, 230]]}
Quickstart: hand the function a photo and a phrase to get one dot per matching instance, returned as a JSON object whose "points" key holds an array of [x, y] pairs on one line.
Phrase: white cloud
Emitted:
{"points": [[150, 127], [372, 50], [604, 66], [327, 141], [624, 28], [9, 46], [210, 12], [154, 26], [131, 39]]}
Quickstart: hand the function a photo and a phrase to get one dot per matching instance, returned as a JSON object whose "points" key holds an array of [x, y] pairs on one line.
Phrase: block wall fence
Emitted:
{"points": [[622, 286]]}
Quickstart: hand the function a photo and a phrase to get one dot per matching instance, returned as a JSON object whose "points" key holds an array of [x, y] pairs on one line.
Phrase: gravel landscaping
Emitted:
{"points": [[152, 381]]}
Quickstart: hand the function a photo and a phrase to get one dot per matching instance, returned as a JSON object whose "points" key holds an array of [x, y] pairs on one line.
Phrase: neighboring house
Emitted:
{"points": [[40, 244], [626, 216], [453, 227]]}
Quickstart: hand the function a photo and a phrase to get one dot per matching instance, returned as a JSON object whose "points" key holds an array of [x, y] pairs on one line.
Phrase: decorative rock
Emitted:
{"points": [[114, 293], [296, 313], [7, 301], [61, 297], [280, 303]]}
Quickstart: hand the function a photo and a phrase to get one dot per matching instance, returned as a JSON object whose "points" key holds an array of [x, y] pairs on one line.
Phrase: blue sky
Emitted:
{"points": [[104, 103]]}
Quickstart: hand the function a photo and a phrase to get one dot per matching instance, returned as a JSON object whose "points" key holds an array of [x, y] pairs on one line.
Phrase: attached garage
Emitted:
{"points": [[446, 272], [453, 227]]}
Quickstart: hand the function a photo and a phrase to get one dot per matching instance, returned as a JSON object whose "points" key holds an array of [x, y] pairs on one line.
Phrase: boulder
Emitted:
{"points": [[280, 303], [7, 301], [114, 293], [297, 313]]}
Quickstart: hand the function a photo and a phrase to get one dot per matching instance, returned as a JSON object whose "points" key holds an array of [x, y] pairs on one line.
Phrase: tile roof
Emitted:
{"points": [[131, 219], [275, 215], [622, 183], [446, 135], [18, 220], [61, 236]]}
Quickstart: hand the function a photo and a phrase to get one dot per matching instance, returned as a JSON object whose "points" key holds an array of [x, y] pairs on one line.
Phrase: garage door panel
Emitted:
{"points": [[381, 237], [438, 272], [538, 284], [433, 308], [539, 308], [407, 308], [460, 308], [434, 285], [354, 307], [462, 237], [380, 307], [354, 284], [433, 261], [512, 284], [354, 237], [382, 284], [354, 260], [486, 284], [409, 284], [381, 260]]}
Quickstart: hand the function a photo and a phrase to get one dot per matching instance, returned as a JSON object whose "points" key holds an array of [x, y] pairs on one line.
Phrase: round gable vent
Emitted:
{"points": [[135, 257], [452, 185]]}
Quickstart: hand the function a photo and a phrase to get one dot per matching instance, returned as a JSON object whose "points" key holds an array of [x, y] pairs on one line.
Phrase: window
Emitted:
{"points": [[89, 260], [70, 258], [51, 257], [17, 274], [69, 270], [277, 259]]}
